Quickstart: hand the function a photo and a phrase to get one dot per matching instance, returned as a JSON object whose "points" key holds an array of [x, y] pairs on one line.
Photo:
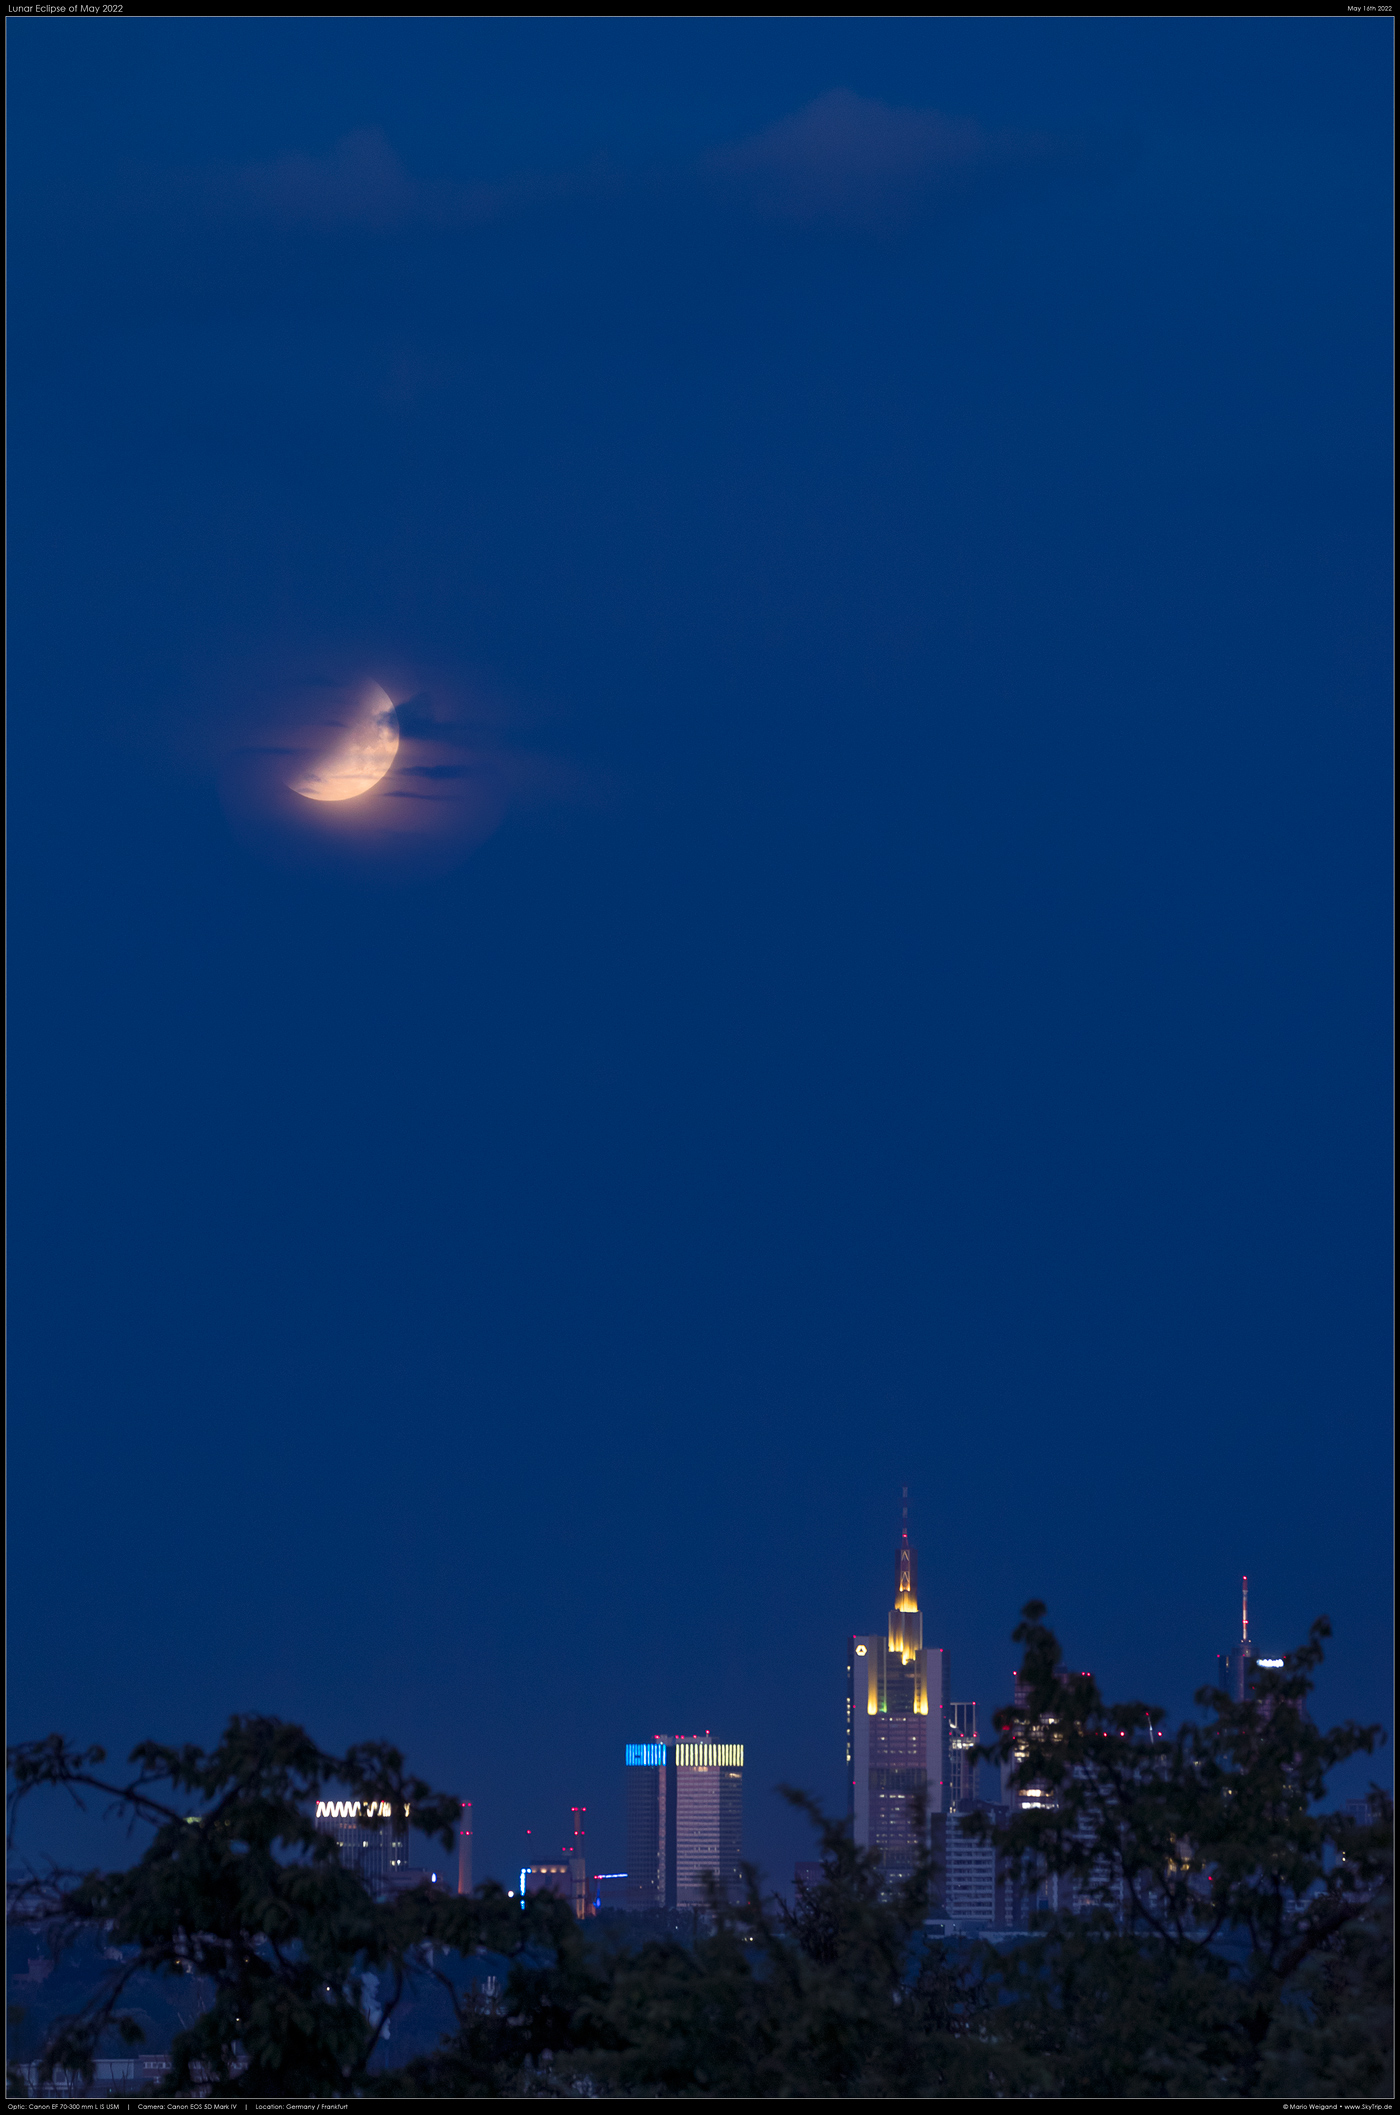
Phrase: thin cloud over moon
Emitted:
{"points": [[398, 779], [332, 772], [358, 758]]}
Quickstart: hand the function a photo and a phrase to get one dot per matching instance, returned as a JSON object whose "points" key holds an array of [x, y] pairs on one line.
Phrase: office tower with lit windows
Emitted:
{"points": [[1013, 1794], [1022, 1890], [1020, 1794], [373, 1839], [962, 1760], [969, 1874], [685, 1813], [897, 1725]]}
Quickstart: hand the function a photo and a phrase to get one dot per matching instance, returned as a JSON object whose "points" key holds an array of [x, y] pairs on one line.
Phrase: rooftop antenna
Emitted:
{"points": [[464, 1850], [906, 1512], [1244, 1598]]}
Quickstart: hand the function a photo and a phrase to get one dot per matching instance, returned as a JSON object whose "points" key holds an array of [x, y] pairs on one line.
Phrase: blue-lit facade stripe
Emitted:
{"points": [[690, 1755]]}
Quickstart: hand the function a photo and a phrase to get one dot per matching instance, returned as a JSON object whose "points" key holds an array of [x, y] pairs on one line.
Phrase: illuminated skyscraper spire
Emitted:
{"points": [[906, 1624], [1244, 1604], [907, 1588]]}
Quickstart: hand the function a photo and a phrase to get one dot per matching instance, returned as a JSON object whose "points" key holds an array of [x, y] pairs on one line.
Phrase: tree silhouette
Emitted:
{"points": [[1213, 1932]]}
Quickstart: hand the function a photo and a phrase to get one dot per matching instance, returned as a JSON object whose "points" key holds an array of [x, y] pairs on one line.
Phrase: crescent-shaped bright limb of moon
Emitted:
{"points": [[362, 756]]}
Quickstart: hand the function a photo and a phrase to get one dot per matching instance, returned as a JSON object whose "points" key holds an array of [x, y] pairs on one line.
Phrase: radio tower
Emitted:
{"points": [[464, 1850], [576, 1853], [1232, 1667]]}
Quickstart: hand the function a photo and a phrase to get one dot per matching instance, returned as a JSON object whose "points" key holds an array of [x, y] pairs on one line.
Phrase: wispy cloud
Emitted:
{"points": [[361, 183], [844, 161], [848, 161]]}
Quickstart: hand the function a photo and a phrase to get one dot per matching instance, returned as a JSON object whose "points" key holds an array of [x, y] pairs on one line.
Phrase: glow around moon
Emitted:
{"points": [[360, 757]]}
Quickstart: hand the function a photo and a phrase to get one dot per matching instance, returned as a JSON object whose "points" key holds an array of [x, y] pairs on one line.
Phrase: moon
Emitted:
{"points": [[360, 758]]}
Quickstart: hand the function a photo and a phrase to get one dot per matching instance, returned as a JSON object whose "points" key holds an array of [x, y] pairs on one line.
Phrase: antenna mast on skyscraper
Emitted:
{"points": [[1244, 1604], [464, 1850]]}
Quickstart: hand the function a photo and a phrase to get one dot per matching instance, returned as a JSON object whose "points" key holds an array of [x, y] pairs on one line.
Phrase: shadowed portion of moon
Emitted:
{"points": [[359, 757], [326, 773]]}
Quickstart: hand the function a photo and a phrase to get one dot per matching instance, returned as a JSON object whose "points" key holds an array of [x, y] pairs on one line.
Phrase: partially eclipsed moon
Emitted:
{"points": [[360, 758]]}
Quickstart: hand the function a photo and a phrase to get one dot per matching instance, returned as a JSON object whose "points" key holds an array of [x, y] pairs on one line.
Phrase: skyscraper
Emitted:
{"points": [[897, 1725], [1238, 1669], [969, 1876], [685, 1810], [373, 1839], [1014, 1794], [962, 1763]]}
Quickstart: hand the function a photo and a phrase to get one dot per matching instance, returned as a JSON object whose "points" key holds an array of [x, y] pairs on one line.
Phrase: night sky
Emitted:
{"points": [[871, 963]]}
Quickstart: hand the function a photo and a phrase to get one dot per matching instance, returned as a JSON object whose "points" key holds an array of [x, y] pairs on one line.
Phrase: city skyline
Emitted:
{"points": [[699, 824], [671, 1840]]}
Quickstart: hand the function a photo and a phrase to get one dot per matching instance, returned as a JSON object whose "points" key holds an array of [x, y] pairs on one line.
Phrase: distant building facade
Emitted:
{"points": [[1234, 1670], [373, 1840], [984, 1890], [685, 1816], [969, 1875], [549, 1879], [1017, 1793], [609, 1891], [1021, 1892], [962, 1757], [897, 1727], [565, 1876]]}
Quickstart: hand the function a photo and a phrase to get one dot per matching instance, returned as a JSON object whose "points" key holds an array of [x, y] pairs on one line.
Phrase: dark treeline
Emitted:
{"points": [[1230, 1938]]}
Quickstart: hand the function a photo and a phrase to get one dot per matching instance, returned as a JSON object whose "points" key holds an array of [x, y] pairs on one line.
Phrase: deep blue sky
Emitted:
{"points": [[918, 589]]}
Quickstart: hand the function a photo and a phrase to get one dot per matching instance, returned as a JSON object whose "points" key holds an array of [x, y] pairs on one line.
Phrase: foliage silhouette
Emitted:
{"points": [[1217, 1935], [1212, 1899]]}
